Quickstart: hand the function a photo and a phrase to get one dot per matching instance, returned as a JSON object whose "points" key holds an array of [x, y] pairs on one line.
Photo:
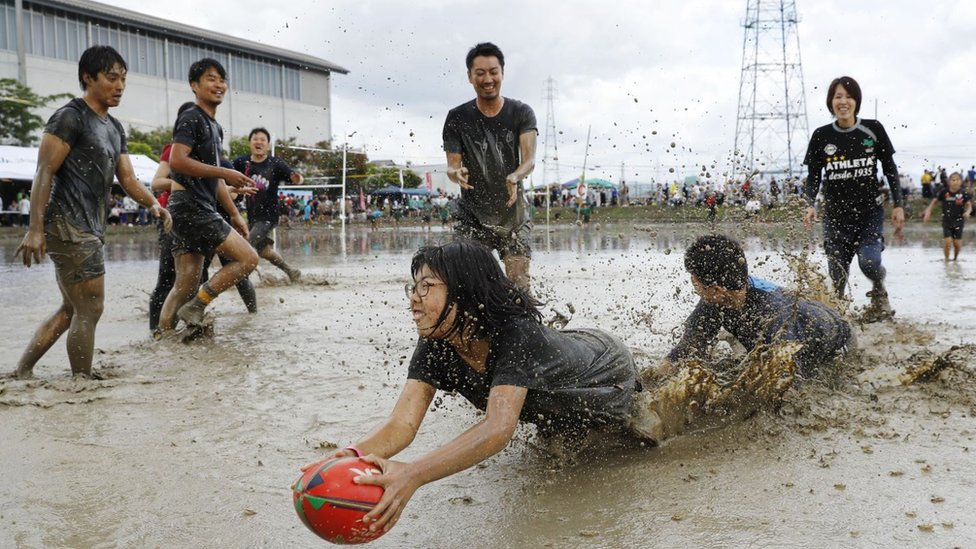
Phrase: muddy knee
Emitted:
{"points": [[250, 261]]}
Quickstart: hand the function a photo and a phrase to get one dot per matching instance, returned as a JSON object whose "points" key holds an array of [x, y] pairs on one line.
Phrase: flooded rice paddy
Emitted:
{"points": [[197, 445]]}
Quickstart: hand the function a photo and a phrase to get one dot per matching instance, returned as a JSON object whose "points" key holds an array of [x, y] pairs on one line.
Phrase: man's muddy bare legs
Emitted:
{"points": [[88, 300], [47, 333], [275, 259], [188, 267], [78, 315], [243, 260]]}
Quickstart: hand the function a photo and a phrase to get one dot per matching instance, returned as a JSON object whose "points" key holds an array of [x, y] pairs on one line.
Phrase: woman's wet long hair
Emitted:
{"points": [[486, 299]]}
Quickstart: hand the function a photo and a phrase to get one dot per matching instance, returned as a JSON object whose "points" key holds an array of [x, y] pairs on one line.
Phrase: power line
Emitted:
{"points": [[772, 113], [550, 163]]}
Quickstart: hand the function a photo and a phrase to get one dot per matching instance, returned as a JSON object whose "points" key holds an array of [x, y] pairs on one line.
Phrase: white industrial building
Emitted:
{"points": [[286, 92]]}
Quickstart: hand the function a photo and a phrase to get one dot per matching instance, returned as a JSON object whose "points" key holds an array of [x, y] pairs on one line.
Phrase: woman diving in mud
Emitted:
{"points": [[482, 336]]}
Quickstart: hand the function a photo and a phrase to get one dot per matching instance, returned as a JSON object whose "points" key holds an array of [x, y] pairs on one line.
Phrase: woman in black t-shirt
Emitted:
{"points": [[482, 336], [843, 156]]}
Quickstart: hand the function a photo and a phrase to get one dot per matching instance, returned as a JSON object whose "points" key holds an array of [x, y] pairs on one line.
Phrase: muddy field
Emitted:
{"points": [[197, 445]]}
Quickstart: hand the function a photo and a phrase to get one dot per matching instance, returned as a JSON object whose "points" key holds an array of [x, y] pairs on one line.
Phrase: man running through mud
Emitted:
{"points": [[490, 144], [198, 184], [262, 208], [82, 150]]}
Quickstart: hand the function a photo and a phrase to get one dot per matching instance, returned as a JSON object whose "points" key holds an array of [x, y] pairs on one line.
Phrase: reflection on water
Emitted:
{"points": [[652, 251], [327, 242]]}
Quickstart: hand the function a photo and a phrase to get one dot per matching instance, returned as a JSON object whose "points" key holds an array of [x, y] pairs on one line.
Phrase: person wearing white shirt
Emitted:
{"points": [[24, 211]]}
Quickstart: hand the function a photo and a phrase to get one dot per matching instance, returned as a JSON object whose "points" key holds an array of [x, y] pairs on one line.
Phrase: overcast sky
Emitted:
{"points": [[628, 68]]}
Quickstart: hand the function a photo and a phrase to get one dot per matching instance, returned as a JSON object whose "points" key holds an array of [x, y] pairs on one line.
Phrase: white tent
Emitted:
{"points": [[20, 163]]}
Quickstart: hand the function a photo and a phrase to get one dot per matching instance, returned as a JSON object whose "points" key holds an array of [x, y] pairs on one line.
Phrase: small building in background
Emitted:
{"points": [[288, 93]]}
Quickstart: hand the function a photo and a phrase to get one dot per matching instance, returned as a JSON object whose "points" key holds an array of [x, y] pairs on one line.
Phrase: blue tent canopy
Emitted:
{"points": [[591, 182], [419, 191], [392, 190]]}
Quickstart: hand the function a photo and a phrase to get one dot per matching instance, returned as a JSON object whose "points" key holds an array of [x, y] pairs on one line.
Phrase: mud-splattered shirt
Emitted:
{"points": [[489, 149], [81, 187], [953, 205], [576, 379], [197, 130], [845, 161], [267, 174], [768, 315]]}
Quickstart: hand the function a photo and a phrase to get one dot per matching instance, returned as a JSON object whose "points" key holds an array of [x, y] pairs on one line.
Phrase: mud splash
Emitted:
{"points": [[196, 445]]}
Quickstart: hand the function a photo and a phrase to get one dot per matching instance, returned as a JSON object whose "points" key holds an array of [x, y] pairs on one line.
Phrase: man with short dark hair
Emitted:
{"points": [[490, 144], [754, 311], [262, 208], [82, 150], [199, 183]]}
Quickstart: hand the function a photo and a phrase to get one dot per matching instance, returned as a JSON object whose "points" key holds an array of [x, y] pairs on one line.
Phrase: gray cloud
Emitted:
{"points": [[679, 59]]}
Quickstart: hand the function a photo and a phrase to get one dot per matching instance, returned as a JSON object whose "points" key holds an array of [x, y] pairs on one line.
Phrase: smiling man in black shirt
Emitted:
{"points": [[262, 208], [82, 150], [490, 146], [199, 182]]}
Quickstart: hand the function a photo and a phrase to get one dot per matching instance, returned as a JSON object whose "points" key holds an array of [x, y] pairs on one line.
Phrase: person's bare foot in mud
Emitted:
{"points": [[194, 332], [166, 335], [19, 374]]}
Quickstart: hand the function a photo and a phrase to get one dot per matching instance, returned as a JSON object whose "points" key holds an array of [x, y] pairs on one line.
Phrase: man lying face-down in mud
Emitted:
{"points": [[755, 312]]}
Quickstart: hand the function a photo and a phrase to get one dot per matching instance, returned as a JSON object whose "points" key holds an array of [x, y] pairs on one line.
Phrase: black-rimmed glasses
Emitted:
{"points": [[421, 288]]}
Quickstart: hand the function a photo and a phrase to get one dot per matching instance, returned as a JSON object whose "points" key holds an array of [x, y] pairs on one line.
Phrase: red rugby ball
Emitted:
{"points": [[332, 505]]}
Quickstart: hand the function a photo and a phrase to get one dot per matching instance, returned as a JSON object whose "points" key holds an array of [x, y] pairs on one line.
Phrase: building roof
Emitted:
{"points": [[187, 32]]}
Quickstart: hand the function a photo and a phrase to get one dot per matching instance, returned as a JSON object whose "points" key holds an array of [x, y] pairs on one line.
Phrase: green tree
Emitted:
{"points": [[322, 162], [239, 146], [388, 175], [18, 124], [155, 139], [137, 147]]}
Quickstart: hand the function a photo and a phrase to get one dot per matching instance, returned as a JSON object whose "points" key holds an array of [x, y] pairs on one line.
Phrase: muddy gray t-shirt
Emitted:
{"points": [[80, 189], [577, 379], [489, 148], [195, 129]]}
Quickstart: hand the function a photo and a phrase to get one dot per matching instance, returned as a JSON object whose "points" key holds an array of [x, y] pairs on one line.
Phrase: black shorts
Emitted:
{"points": [[259, 234], [952, 228], [77, 256], [508, 241], [196, 229]]}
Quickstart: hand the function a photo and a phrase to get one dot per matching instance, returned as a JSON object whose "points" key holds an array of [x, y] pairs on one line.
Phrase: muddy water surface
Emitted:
{"points": [[197, 445]]}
